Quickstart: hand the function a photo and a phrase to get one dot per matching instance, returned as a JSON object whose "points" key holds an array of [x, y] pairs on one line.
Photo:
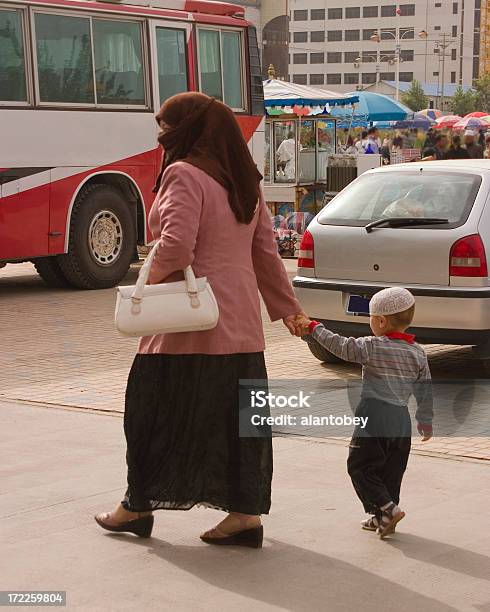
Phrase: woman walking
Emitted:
{"points": [[181, 414]]}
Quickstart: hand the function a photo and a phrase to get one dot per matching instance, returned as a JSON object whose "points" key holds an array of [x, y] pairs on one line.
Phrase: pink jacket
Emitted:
{"points": [[196, 226]]}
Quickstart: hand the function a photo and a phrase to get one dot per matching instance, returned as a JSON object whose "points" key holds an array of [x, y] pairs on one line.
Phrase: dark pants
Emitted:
{"points": [[378, 455]]}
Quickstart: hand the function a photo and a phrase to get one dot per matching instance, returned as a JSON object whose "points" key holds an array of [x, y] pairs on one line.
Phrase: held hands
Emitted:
{"points": [[425, 431], [297, 324]]}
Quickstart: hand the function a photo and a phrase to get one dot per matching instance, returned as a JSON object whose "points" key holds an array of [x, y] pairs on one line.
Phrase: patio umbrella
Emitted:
{"points": [[431, 113], [447, 121], [478, 114], [373, 107], [470, 123], [417, 123]]}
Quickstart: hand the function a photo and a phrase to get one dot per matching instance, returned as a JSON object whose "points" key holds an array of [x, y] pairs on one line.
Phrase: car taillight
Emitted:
{"points": [[467, 257], [306, 256]]}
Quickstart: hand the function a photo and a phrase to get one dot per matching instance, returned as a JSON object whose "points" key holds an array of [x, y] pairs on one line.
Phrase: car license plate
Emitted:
{"points": [[358, 305]]}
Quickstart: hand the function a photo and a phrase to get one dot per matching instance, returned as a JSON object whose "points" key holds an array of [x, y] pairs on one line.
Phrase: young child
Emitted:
{"points": [[393, 368]]}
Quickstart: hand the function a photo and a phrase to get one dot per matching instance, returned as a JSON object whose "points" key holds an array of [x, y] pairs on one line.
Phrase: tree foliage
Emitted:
{"points": [[463, 102], [482, 93], [414, 97]]}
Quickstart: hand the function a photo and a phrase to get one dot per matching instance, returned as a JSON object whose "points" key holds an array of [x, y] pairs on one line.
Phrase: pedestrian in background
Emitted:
{"points": [[181, 417], [456, 151], [438, 151], [474, 149], [486, 153]]}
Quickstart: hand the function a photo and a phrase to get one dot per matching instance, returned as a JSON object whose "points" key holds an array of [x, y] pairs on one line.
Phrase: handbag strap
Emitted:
{"points": [[144, 273]]}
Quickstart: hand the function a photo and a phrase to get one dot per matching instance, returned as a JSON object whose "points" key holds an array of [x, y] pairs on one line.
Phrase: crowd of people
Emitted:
{"points": [[436, 146]]}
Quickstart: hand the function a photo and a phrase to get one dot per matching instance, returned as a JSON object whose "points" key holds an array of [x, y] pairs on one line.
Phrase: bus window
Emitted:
{"points": [[64, 59], [171, 60], [232, 69], [12, 62], [118, 62], [220, 66], [210, 63]]}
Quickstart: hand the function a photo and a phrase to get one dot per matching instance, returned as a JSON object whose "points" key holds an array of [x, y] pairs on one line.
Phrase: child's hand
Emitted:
{"points": [[425, 431]]}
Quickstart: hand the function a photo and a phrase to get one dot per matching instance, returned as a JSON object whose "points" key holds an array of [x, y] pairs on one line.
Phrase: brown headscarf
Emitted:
{"points": [[205, 133]]}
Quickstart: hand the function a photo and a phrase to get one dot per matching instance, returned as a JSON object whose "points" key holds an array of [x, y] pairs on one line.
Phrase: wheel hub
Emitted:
{"points": [[105, 237]]}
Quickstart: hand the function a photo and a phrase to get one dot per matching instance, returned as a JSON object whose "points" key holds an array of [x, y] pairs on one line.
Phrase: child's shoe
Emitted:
{"points": [[390, 516], [371, 524]]}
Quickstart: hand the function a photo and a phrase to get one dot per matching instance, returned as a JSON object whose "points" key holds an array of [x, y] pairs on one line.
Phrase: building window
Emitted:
{"points": [[12, 60], [388, 11], [352, 12], [317, 79], [370, 11], [300, 79], [352, 35], [435, 73], [300, 37], [351, 78], [455, 31], [334, 79], [300, 15], [318, 14], [334, 58], [407, 55], [387, 76], [476, 43], [388, 56], [407, 33], [407, 10], [300, 58], [406, 77], [317, 36], [350, 57], [366, 34], [388, 34], [455, 8], [436, 49], [334, 35], [437, 28], [317, 58], [438, 5], [453, 77], [369, 56], [335, 13], [368, 78], [453, 54]]}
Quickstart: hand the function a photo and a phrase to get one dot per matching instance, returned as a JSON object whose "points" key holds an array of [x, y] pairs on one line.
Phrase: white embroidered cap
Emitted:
{"points": [[391, 301]]}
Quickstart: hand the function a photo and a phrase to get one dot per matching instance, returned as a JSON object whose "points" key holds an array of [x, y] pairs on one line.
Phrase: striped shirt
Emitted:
{"points": [[392, 369]]}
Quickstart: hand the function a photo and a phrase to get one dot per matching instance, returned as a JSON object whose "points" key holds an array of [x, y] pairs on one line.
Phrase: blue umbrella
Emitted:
{"points": [[374, 107], [417, 123]]}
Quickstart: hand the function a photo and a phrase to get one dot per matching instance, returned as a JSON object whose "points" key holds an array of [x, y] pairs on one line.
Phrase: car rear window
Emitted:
{"points": [[444, 195]]}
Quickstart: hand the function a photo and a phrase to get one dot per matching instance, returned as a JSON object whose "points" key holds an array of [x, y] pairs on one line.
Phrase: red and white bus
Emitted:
{"points": [[80, 82]]}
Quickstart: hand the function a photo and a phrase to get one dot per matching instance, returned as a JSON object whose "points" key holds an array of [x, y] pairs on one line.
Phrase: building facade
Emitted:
{"points": [[435, 42]]}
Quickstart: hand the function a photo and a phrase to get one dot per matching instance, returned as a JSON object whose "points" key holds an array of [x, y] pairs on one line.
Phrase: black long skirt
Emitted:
{"points": [[181, 424]]}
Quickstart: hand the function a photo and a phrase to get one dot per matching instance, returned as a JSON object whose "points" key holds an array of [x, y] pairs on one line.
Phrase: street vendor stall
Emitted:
{"points": [[300, 135]]}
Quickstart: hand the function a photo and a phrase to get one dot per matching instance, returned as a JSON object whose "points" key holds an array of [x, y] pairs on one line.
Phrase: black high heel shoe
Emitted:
{"points": [[252, 538], [141, 526]]}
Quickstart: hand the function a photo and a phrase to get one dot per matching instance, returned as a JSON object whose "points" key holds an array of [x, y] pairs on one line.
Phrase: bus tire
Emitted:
{"points": [[322, 354], [49, 270], [102, 239]]}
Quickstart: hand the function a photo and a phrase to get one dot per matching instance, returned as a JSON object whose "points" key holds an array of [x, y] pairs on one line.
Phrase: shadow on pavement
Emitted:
{"points": [[292, 578], [443, 555]]}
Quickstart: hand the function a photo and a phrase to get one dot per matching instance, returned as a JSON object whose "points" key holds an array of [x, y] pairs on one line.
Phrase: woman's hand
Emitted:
{"points": [[297, 324]]}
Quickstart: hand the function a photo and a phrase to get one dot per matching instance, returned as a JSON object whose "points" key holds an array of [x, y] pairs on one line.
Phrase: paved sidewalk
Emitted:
{"points": [[61, 348], [59, 467]]}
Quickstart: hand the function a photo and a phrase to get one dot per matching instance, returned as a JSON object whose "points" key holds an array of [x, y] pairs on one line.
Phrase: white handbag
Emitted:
{"points": [[183, 306]]}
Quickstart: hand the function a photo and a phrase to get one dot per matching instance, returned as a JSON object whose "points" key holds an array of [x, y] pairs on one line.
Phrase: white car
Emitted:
{"points": [[424, 226]]}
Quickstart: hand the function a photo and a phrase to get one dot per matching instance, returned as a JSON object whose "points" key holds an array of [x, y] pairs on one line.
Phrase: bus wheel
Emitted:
{"points": [[49, 270], [102, 239]]}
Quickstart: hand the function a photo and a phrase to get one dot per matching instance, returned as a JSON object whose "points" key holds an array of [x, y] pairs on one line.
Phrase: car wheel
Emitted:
{"points": [[102, 239], [321, 353], [49, 270]]}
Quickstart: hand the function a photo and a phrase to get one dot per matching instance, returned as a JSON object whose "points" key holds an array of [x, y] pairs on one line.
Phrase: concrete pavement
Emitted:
{"points": [[58, 467]]}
